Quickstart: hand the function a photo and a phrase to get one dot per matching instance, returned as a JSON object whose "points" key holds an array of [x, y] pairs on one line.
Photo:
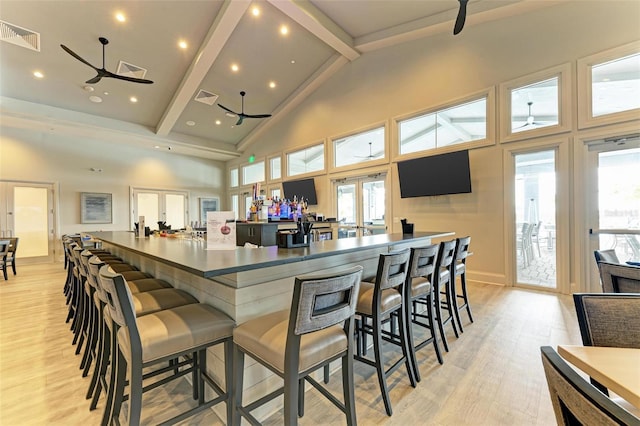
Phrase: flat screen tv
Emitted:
{"points": [[435, 175], [300, 188]]}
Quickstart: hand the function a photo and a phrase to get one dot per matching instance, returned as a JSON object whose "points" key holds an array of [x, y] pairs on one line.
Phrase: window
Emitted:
{"points": [[275, 193], [233, 178], [235, 200], [609, 86], [156, 206], [253, 173], [306, 160], [465, 123], [359, 148], [536, 105], [275, 168]]}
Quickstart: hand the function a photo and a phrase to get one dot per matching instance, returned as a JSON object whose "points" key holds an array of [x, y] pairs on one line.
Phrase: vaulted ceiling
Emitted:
{"points": [[276, 70]]}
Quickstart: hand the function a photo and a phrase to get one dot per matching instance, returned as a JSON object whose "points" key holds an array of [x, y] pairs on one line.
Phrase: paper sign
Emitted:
{"points": [[221, 231], [141, 227]]}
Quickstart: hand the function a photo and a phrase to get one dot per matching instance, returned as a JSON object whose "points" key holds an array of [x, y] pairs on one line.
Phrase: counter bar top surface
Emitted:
{"points": [[192, 256]]}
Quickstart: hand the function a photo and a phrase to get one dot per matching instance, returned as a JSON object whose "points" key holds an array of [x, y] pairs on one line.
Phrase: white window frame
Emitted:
{"points": [[331, 157], [256, 162], [565, 112], [585, 114], [161, 203], [490, 139], [235, 169], [269, 172], [302, 148]]}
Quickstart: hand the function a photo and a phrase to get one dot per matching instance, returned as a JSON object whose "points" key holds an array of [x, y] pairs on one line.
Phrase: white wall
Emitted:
{"points": [[64, 159], [426, 73]]}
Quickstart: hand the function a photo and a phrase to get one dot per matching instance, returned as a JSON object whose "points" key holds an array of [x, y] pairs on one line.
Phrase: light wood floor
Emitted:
{"points": [[492, 376]]}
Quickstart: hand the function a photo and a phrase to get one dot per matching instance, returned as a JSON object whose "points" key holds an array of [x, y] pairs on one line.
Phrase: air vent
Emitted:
{"points": [[130, 70], [19, 36], [206, 97]]}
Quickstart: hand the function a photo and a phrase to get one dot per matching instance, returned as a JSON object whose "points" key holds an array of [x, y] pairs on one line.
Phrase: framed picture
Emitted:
{"points": [[208, 205], [95, 207]]}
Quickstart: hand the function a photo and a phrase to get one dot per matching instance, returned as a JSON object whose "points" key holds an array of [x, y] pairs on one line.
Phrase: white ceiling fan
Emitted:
{"points": [[530, 119], [370, 156]]}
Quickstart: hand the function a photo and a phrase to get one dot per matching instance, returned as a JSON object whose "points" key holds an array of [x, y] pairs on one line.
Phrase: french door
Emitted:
{"points": [[156, 206], [613, 200], [26, 212], [361, 206]]}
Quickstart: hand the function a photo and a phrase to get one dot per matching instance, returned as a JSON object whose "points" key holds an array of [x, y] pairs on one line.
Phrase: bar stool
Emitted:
{"points": [[445, 308], [459, 269], [420, 300], [161, 336], [294, 343], [144, 303], [378, 301]]}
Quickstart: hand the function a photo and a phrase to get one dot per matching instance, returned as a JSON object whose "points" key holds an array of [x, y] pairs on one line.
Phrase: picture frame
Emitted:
{"points": [[208, 204], [96, 207]]}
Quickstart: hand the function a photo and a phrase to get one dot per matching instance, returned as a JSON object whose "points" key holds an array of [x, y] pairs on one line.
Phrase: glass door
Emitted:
{"points": [[361, 206], [535, 218], [614, 202], [169, 207], [27, 213]]}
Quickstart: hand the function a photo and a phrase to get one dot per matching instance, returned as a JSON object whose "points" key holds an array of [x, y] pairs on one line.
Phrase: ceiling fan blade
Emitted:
{"points": [[126, 78], [95, 79], [227, 109], [462, 16], [256, 115], [240, 119], [75, 55]]}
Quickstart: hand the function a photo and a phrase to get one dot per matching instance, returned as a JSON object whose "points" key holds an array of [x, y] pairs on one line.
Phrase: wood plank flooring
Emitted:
{"points": [[492, 375]]}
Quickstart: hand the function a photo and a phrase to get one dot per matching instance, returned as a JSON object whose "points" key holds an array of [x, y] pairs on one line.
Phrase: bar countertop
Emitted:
{"points": [[192, 256]]}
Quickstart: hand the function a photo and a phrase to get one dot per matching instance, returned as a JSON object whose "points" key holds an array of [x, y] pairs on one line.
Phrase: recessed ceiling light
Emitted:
{"points": [[105, 93], [182, 44], [272, 84], [120, 17], [190, 123], [293, 61], [157, 146], [235, 67], [38, 74], [255, 11], [133, 99], [218, 122], [88, 88], [284, 30], [95, 99]]}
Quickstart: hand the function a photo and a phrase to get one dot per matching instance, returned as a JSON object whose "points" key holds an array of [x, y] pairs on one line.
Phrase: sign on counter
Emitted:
{"points": [[221, 231]]}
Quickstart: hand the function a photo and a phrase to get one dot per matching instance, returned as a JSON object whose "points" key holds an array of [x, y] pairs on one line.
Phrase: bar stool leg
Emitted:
{"points": [[238, 379], [382, 377]]}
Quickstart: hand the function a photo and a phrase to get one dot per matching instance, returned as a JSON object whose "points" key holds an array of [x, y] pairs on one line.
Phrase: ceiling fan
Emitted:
{"points": [[102, 72], [368, 157], [462, 15], [241, 115], [530, 120]]}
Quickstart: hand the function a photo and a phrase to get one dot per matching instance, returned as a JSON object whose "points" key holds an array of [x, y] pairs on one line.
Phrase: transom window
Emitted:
{"points": [[534, 106], [233, 178], [359, 148], [450, 126], [306, 160], [615, 86], [275, 168], [253, 173]]}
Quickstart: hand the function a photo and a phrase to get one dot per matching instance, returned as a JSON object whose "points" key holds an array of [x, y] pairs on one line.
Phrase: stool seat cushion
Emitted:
{"points": [[420, 286], [177, 330], [460, 268], [149, 302], [389, 299], [265, 338], [142, 284]]}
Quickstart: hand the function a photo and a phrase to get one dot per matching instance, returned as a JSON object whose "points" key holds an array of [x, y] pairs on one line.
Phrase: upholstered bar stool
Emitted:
{"points": [[377, 302], [293, 343], [420, 300], [161, 297], [459, 269], [445, 309], [162, 336]]}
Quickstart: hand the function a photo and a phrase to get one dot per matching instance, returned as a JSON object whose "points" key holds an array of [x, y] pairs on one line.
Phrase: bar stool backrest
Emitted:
{"points": [[321, 301], [94, 273], [422, 261], [392, 269], [445, 258], [619, 278], [461, 253], [85, 255], [4, 248], [119, 300], [609, 319]]}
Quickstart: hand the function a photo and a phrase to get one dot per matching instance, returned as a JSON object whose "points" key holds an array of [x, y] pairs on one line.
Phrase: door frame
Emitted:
{"points": [[561, 146], [585, 271], [134, 190], [52, 216]]}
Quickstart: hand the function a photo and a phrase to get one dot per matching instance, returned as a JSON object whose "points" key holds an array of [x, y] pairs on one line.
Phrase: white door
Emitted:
{"points": [[26, 212], [613, 201], [156, 206], [361, 206]]}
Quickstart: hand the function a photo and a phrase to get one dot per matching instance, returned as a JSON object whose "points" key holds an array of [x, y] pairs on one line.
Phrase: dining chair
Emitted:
{"points": [[608, 319], [575, 401], [11, 255], [4, 250], [619, 278], [293, 343]]}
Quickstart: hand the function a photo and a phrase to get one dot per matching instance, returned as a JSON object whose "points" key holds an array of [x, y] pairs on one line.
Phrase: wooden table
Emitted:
{"points": [[616, 368]]}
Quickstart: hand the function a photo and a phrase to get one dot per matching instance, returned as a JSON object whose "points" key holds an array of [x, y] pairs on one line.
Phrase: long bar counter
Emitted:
{"points": [[249, 282]]}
